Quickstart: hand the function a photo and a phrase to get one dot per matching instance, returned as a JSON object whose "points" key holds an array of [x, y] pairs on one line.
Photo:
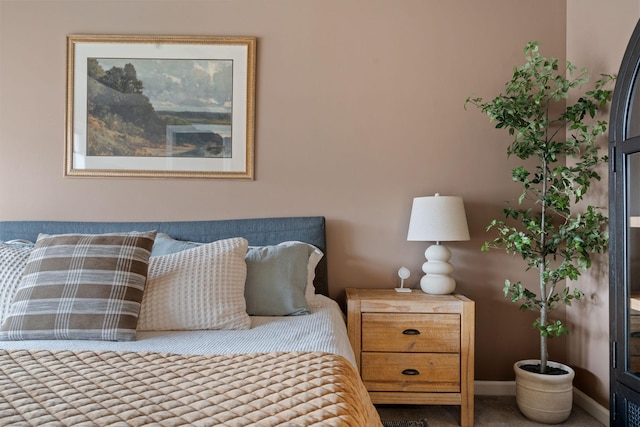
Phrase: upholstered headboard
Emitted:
{"points": [[258, 231]]}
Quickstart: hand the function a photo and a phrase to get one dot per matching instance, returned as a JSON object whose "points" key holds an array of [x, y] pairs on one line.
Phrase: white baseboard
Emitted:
{"points": [[508, 388], [592, 407]]}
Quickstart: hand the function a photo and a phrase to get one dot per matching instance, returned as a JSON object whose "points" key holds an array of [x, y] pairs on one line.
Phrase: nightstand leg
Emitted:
{"points": [[466, 412]]}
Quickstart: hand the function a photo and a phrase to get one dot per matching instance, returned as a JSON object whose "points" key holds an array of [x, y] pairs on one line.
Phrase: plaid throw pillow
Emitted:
{"points": [[78, 286]]}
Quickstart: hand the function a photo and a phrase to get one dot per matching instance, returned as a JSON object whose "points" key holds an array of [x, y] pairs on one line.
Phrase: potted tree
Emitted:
{"points": [[543, 226]]}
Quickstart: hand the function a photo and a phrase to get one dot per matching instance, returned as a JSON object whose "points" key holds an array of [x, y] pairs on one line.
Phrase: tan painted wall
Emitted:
{"points": [[597, 35], [359, 109]]}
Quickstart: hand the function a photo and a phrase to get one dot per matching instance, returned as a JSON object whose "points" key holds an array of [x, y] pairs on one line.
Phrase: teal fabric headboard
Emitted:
{"points": [[258, 231]]}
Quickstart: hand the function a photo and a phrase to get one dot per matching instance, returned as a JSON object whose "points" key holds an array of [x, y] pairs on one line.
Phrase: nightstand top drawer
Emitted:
{"points": [[388, 300], [415, 333]]}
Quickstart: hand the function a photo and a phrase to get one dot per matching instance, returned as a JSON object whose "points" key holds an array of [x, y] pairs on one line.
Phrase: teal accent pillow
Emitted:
{"points": [[278, 276], [277, 279], [165, 245]]}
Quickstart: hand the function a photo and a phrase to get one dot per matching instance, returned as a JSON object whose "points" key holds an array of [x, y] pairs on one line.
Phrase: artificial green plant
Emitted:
{"points": [[544, 227]]}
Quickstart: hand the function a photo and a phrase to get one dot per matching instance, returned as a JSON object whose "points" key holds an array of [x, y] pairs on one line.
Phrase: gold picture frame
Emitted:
{"points": [[160, 106]]}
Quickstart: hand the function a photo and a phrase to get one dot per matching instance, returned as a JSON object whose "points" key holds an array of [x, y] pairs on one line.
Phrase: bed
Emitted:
{"points": [[185, 354]]}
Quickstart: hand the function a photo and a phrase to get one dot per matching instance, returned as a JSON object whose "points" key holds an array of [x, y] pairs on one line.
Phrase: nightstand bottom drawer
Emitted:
{"points": [[419, 372]]}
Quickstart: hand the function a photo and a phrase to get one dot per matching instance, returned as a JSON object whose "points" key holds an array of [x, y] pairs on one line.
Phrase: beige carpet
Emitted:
{"points": [[494, 411]]}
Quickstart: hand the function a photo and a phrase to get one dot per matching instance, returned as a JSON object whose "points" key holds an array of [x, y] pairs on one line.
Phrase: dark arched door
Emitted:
{"points": [[624, 239]]}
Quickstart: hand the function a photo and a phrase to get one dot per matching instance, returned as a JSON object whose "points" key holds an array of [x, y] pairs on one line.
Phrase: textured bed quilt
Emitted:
{"points": [[65, 388]]}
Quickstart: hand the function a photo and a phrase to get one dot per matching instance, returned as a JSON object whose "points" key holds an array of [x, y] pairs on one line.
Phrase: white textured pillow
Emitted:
{"points": [[13, 259], [314, 258], [198, 288]]}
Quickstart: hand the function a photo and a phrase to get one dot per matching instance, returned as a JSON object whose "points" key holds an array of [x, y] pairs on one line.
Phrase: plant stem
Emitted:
{"points": [[543, 322], [543, 256]]}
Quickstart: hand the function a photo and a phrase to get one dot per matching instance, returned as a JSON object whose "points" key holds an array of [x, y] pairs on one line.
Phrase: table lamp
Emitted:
{"points": [[438, 219]]}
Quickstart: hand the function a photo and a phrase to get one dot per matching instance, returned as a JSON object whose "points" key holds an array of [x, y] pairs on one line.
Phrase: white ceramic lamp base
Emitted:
{"points": [[437, 279]]}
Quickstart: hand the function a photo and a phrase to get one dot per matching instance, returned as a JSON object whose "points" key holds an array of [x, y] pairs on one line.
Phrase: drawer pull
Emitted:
{"points": [[411, 332], [410, 372]]}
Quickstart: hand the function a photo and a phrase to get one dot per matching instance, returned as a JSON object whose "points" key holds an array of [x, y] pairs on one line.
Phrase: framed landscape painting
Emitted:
{"points": [[160, 106]]}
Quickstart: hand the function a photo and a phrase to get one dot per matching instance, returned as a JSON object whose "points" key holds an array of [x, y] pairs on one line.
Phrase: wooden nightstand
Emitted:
{"points": [[414, 348]]}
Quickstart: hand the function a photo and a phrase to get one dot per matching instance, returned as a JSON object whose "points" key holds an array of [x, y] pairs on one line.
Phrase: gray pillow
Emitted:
{"points": [[165, 245], [277, 275], [277, 279]]}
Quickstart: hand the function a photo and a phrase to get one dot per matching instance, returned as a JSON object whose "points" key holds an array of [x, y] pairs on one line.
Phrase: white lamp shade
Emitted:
{"points": [[438, 219]]}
